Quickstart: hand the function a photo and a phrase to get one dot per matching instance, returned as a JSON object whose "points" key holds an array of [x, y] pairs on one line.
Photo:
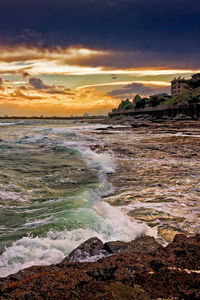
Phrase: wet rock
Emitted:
{"points": [[90, 250], [114, 247], [144, 214], [139, 125], [168, 232], [182, 117], [102, 129], [150, 214], [145, 244], [96, 148], [172, 272]]}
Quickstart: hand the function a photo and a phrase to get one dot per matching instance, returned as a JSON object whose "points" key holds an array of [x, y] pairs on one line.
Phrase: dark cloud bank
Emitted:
{"points": [[137, 88], [169, 28]]}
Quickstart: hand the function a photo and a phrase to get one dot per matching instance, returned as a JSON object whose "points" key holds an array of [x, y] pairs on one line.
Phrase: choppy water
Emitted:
{"points": [[51, 188]]}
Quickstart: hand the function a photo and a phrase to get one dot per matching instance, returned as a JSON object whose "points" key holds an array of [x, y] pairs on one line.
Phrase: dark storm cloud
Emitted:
{"points": [[165, 26], [133, 88], [137, 88]]}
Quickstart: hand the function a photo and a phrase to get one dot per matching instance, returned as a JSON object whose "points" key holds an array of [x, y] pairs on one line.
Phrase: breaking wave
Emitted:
{"points": [[62, 184]]}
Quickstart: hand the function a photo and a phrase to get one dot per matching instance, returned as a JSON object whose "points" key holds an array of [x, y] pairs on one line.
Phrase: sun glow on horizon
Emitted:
{"points": [[76, 79]]}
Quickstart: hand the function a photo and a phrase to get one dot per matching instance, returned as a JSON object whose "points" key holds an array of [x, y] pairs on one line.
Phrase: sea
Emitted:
{"points": [[52, 189]]}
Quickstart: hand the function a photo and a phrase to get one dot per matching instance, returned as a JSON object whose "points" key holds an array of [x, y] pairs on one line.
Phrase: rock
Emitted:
{"points": [[101, 129], [182, 117], [138, 125], [172, 272], [96, 147], [145, 244], [114, 247], [90, 250], [120, 291], [103, 273], [168, 232], [150, 214]]}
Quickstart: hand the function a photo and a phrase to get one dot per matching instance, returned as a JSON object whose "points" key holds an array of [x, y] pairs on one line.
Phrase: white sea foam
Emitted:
{"points": [[104, 160], [6, 195], [111, 225], [6, 123], [105, 222]]}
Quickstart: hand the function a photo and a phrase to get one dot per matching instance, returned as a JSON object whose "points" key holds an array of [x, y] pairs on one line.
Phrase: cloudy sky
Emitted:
{"points": [[68, 57]]}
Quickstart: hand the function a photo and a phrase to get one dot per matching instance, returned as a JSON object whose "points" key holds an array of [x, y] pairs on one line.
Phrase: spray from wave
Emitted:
{"points": [[83, 211]]}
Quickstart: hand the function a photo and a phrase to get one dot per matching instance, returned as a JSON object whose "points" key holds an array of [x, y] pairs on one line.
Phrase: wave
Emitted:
{"points": [[96, 218], [111, 225]]}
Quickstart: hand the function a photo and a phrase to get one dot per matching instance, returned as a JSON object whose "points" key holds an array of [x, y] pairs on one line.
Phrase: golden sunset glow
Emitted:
{"points": [[73, 80]]}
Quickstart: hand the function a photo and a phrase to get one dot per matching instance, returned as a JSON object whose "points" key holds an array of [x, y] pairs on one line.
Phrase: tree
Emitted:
{"points": [[154, 101], [139, 102], [125, 104]]}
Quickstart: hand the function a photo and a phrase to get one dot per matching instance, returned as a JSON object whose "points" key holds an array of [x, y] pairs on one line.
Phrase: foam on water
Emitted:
{"points": [[111, 225], [98, 217], [11, 123], [6, 123]]}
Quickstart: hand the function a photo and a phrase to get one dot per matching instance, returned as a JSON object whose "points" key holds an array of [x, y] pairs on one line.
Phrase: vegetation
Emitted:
{"points": [[162, 99], [125, 104], [139, 102], [186, 98]]}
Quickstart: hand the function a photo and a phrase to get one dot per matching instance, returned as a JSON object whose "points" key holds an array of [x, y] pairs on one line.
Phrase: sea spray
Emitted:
{"points": [[111, 225], [61, 182]]}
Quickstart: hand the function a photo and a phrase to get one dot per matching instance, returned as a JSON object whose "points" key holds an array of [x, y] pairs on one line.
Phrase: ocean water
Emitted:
{"points": [[51, 193]]}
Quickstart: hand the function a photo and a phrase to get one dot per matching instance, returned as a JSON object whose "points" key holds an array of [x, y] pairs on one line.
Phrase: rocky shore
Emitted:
{"points": [[141, 269], [157, 175], [156, 183]]}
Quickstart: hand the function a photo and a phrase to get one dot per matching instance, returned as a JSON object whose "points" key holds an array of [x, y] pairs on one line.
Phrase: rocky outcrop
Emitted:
{"points": [[172, 272], [145, 244], [91, 250]]}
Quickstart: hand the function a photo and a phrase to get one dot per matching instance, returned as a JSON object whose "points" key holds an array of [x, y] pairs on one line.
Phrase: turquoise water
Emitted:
{"points": [[51, 188]]}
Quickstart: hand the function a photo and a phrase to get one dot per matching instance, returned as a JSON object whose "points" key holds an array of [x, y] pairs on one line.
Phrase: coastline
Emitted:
{"points": [[157, 175], [156, 142]]}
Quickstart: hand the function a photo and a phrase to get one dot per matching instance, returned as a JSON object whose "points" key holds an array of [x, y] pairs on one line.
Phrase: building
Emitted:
{"points": [[179, 86], [182, 85], [196, 77]]}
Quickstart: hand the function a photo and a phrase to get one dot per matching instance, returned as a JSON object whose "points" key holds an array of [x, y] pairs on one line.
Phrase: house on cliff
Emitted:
{"points": [[181, 85]]}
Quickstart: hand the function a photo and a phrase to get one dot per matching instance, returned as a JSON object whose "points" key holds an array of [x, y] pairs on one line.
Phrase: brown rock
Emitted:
{"points": [[90, 250], [166, 273], [145, 244]]}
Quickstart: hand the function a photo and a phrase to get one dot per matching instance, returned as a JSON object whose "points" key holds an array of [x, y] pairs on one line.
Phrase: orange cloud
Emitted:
{"points": [[38, 98]]}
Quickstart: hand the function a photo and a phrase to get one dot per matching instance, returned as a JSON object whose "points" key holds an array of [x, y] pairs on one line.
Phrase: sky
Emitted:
{"points": [[62, 58]]}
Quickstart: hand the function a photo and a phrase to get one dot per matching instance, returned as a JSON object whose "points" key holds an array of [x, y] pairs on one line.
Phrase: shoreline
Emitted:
{"points": [[157, 168], [129, 271], [177, 147]]}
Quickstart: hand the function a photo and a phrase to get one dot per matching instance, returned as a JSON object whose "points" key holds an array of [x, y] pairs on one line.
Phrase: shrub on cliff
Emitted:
{"points": [[154, 101], [139, 102], [125, 104]]}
